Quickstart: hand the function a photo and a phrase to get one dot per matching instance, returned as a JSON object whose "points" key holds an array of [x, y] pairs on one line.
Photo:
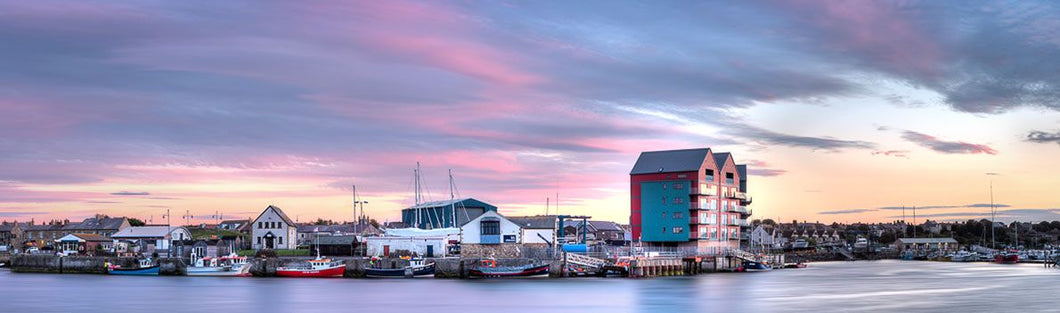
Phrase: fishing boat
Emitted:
{"points": [[964, 256], [147, 267], [489, 268], [1007, 257], [319, 267], [796, 265], [755, 266], [231, 265], [415, 269]]}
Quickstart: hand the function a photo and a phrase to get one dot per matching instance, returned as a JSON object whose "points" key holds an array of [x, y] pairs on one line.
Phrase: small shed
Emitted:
{"points": [[415, 246], [345, 245], [83, 244], [926, 244]]}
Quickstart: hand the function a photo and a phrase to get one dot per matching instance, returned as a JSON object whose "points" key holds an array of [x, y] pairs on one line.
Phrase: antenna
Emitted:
{"points": [[452, 199]]}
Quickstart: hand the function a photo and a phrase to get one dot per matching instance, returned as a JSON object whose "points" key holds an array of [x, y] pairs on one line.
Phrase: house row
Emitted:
{"points": [[17, 235]]}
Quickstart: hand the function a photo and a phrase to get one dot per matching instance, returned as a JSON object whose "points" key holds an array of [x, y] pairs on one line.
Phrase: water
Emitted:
{"points": [[893, 286]]}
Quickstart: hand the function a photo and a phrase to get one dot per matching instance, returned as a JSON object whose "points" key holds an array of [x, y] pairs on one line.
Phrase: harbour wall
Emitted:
{"points": [[40, 263], [444, 267]]}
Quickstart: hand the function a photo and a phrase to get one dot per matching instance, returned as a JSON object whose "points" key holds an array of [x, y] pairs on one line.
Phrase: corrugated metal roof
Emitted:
{"points": [[688, 160], [460, 202], [928, 240], [92, 223], [335, 240], [145, 232]]}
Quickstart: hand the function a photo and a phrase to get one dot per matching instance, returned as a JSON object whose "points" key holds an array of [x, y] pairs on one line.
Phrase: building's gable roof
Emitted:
{"points": [[280, 213], [235, 223], [720, 158], [534, 222], [652, 162], [7, 227], [85, 237], [335, 240]]}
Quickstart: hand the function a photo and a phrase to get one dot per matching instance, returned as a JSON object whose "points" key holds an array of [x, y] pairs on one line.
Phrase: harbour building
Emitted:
{"points": [[690, 200], [440, 214]]}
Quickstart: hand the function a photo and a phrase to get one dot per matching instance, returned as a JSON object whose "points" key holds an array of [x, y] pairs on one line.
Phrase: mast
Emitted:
{"points": [[417, 194], [993, 214], [452, 199], [914, 221]]}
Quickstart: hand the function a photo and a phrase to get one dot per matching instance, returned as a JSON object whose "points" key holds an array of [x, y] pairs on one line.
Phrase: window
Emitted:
{"points": [[664, 186], [259, 237], [679, 186], [678, 230], [713, 233], [729, 178], [664, 200], [713, 219], [710, 174], [490, 227], [678, 200], [279, 240], [259, 225], [679, 215], [682, 176]]}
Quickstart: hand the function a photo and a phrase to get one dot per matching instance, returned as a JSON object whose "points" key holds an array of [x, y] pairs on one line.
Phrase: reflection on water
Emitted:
{"points": [[834, 286]]}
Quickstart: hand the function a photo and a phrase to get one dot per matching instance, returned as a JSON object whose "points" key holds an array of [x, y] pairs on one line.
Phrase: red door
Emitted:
{"points": [[386, 251]]}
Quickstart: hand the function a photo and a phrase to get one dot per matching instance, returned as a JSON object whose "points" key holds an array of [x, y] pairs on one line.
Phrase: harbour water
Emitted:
{"points": [[863, 286]]}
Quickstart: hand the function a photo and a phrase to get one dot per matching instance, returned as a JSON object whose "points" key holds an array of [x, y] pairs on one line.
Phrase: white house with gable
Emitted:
{"points": [[490, 228], [273, 230]]}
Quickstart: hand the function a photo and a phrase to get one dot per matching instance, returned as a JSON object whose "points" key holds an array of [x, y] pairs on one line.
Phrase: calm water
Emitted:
{"points": [[834, 286]]}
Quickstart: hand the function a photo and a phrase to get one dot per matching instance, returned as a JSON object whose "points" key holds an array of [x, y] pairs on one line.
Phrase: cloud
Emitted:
{"points": [[816, 143], [894, 153], [932, 207], [21, 213], [851, 211], [131, 193], [949, 147], [1047, 214], [1038, 136], [768, 172]]}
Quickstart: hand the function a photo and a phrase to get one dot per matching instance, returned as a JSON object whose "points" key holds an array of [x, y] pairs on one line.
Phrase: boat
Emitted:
{"points": [[231, 265], [1007, 257], [796, 265], [964, 256], [415, 269], [489, 268], [147, 267], [908, 255], [318, 267], [754, 266]]}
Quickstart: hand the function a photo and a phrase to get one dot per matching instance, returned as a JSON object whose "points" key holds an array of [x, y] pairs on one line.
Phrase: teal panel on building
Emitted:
{"points": [[664, 210]]}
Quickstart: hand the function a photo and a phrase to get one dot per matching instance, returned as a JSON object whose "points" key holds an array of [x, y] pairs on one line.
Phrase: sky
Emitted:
{"points": [[843, 110]]}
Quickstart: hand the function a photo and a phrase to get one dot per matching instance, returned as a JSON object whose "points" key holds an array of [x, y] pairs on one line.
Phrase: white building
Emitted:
{"points": [[151, 239], [273, 230], [420, 246], [490, 228], [536, 229]]}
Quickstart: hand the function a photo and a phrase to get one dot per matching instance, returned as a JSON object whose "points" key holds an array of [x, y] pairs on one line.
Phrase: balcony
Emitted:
{"points": [[704, 190], [738, 209], [746, 201], [736, 195]]}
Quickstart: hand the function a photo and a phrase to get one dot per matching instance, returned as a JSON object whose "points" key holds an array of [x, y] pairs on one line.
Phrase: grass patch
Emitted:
{"points": [[214, 233]]}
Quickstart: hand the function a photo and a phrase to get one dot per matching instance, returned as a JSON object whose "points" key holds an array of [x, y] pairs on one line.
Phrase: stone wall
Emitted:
{"points": [[41, 263], [507, 251]]}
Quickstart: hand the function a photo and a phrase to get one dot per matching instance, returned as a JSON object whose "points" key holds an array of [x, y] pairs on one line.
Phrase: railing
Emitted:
{"points": [[704, 190], [738, 208], [736, 195]]}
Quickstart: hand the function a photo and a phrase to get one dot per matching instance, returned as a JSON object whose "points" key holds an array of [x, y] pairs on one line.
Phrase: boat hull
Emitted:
{"points": [[335, 271], [756, 267], [216, 271], [1007, 258], [408, 272], [536, 271], [144, 271]]}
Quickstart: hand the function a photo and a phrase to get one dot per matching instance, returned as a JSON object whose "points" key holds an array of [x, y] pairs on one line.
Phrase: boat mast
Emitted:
{"points": [[417, 194], [452, 199], [993, 214]]}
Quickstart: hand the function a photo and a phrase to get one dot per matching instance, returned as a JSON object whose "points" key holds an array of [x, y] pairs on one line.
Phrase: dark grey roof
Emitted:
{"points": [[605, 225], [719, 160], [688, 160], [741, 169], [92, 223], [534, 222], [41, 227], [335, 240], [6, 227]]}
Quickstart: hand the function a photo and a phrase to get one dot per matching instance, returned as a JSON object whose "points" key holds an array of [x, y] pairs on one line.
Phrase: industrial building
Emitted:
{"points": [[692, 199], [440, 214]]}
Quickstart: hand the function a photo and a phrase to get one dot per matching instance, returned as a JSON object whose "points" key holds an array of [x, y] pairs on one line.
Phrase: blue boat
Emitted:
{"points": [[412, 271], [146, 268], [753, 266]]}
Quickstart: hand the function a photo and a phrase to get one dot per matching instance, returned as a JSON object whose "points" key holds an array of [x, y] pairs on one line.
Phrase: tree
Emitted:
{"points": [[136, 222], [374, 223]]}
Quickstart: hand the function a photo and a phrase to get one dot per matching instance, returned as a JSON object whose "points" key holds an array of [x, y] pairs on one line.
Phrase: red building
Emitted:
{"points": [[689, 199]]}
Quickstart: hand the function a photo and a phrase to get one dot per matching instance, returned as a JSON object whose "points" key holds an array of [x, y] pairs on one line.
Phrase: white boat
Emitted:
{"points": [[965, 256], [232, 265]]}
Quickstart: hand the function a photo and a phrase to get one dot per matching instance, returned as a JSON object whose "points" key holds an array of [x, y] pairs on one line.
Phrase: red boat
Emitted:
{"points": [[314, 268], [1007, 258]]}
